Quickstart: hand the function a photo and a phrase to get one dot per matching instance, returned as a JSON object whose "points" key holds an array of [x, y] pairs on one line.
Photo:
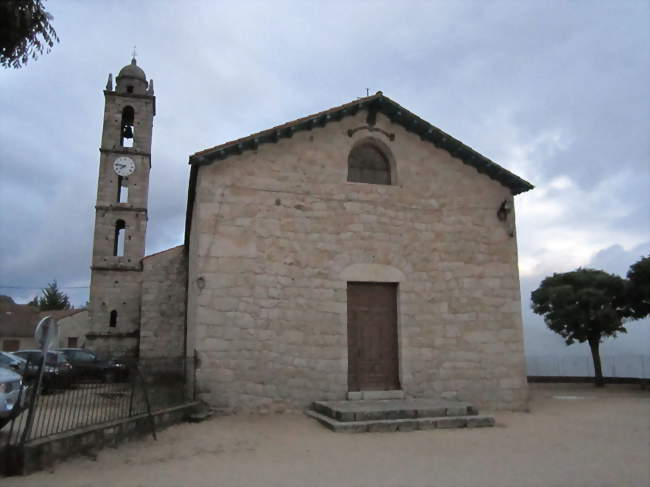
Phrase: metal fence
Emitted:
{"points": [[143, 387], [617, 366]]}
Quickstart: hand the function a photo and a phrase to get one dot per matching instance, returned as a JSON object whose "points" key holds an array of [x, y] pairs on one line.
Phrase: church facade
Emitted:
{"points": [[356, 249]]}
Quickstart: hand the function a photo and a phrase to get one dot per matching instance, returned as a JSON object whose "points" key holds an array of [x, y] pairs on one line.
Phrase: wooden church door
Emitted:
{"points": [[372, 336]]}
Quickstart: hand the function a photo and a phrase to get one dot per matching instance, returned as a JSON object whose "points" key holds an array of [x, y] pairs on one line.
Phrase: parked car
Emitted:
{"points": [[57, 374], [87, 365], [10, 361], [11, 397]]}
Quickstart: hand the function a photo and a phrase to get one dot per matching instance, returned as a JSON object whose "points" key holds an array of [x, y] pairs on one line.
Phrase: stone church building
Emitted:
{"points": [[359, 248]]}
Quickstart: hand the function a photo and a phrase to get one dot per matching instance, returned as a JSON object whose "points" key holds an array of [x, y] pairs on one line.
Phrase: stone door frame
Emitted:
{"points": [[382, 274]]}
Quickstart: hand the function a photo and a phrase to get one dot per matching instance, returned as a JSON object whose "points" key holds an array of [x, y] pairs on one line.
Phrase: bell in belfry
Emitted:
{"points": [[127, 131]]}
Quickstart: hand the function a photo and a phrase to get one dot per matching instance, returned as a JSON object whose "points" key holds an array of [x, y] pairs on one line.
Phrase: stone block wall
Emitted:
{"points": [[140, 153], [278, 232], [120, 291], [116, 280], [162, 329], [135, 230]]}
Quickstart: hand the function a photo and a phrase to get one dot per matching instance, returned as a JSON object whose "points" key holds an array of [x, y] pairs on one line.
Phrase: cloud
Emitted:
{"points": [[616, 260], [562, 225]]}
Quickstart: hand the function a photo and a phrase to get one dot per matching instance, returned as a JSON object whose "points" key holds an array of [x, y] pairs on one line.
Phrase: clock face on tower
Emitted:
{"points": [[124, 166]]}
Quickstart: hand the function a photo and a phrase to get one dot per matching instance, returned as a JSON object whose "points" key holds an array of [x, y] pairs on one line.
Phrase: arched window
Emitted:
{"points": [[127, 130], [120, 237], [368, 164], [112, 322], [122, 189]]}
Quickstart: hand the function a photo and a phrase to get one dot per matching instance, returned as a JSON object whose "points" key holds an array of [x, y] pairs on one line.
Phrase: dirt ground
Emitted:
{"points": [[574, 435]]}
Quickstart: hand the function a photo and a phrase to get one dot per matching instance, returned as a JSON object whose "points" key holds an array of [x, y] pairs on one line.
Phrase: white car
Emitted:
{"points": [[10, 386], [13, 362]]}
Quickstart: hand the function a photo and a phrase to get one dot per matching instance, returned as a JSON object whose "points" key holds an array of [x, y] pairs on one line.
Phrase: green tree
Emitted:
{"points": [[639, 289], [25, 32], [53, 298], [585, 305]]}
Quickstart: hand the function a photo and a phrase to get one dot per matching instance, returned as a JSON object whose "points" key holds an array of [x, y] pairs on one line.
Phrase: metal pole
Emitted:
{"points": [[132, 380], [45, 333], [146, 400], [34, 402]]}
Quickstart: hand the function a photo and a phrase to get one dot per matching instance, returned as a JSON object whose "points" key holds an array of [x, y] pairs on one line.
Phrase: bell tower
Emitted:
{"points": [[121, 213]]}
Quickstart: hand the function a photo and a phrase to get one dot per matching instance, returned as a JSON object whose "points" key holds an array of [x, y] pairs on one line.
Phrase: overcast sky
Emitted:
{"points": [[557, 92]]}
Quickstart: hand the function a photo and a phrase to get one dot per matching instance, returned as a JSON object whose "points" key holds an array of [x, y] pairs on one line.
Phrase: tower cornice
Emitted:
{"points": [[124, 150], [121, 208], [117, 267], [128, 95]]}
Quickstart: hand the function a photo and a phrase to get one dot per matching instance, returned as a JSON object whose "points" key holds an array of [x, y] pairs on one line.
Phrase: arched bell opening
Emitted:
{"points": [[120, 238], [127, 129]]}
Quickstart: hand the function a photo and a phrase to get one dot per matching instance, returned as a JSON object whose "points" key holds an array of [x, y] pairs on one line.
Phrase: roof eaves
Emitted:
{"points": [[375, 103], [286, 130], [426, 131], [161, 252]]}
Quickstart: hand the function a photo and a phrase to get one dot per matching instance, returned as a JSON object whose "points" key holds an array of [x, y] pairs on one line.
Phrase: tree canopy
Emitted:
{"points": [[25, 32], [584, 305], [587, 305], [639, 288], [53, 298]]}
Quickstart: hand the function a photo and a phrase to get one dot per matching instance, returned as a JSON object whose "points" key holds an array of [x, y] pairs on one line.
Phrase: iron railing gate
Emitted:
{"points": [[145, 386]]}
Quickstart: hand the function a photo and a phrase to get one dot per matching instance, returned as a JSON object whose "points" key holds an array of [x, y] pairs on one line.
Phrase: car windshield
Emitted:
{"points": [[83, 356], [34, 357], [56, 358]]}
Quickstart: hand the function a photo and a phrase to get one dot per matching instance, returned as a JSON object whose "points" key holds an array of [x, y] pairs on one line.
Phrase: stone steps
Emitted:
{"points": [[359, 416], [357, 395]]}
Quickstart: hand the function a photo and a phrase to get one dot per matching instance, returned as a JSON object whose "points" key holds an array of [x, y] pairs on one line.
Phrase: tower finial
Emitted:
{"points": [[134, 54]]}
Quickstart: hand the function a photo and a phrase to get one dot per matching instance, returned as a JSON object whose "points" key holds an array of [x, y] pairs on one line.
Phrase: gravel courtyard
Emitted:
{"points": [[573, 436]]}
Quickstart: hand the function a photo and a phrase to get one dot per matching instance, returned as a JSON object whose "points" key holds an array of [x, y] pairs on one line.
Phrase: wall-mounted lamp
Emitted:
{"points": [[200, 283], [504, 210]]}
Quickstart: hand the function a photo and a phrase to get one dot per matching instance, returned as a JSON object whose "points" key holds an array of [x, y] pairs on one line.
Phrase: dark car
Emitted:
{"points": [[57, 373], [88, 366]]}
